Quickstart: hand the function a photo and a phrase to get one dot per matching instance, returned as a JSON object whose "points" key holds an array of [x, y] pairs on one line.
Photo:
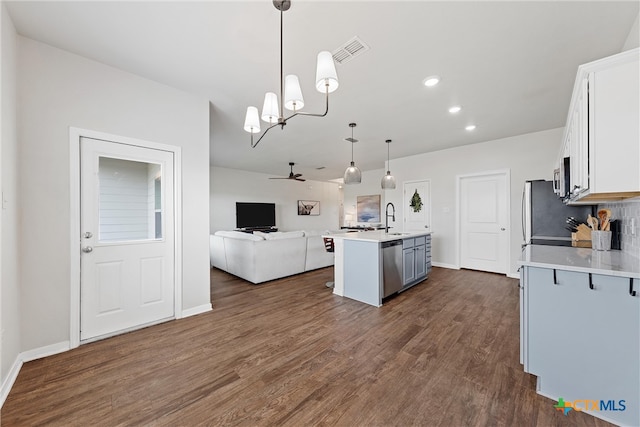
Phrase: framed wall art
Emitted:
{"points": [[368, 208], [308, 207]]}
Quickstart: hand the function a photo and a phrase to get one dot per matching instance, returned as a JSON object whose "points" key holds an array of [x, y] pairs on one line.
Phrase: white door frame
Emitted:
{"points": [[74, 216], [459, 178]]}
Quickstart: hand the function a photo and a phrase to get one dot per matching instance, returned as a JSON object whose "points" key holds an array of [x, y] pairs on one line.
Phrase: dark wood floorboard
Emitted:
{"points": [[290, 353]]}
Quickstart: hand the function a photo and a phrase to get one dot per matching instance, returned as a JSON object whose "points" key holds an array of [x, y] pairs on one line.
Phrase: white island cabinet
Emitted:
{"points": [[359, 265], [580, 328]]}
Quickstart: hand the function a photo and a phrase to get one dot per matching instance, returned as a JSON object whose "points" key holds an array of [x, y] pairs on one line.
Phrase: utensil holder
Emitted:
{"points": [[601, 240]]}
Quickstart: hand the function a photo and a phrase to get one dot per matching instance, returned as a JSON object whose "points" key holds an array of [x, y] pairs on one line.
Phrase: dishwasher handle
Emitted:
{"points": [[391, 243]]}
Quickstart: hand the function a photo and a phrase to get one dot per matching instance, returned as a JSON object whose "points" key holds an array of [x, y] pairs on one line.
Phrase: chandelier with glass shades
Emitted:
{"points": [[290, 92]]}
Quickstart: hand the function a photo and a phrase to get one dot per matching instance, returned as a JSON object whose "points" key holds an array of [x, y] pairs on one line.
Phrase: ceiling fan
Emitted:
{"points": [[292, 175]]}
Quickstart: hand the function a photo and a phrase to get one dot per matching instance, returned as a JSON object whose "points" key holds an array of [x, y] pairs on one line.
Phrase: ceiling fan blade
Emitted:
{"points": [[297, 175], [300, 179], [280, 178]]}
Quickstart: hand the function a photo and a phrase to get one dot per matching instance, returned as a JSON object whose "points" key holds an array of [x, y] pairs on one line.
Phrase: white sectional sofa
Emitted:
{"points": [[260, 257]]}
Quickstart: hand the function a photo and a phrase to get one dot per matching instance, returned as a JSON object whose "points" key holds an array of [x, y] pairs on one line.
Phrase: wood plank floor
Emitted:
{"points": [[290, 353]]}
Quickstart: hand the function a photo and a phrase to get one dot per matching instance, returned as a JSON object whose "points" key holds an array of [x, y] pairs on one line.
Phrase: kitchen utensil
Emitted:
{"points": [[605, 216], [593, 222]]}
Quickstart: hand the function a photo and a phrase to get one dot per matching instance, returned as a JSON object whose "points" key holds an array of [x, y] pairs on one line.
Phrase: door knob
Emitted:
{"points": [[88, 235], [87, 249]]}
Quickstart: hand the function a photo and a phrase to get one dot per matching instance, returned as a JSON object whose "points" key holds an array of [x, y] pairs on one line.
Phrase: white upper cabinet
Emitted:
{"points": [[602, 131]]}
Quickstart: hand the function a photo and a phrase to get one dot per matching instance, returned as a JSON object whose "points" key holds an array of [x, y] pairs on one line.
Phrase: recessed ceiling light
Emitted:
{"points": [[455, 109], [470, 127], [431, 81]]}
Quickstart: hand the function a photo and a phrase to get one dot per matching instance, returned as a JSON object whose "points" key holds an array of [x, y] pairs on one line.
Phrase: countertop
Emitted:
{"points": [[584, 260], [376, 235]]}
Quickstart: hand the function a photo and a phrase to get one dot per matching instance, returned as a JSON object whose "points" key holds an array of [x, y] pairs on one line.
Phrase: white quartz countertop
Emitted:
{"points": [[376, 235], [584, 260]]}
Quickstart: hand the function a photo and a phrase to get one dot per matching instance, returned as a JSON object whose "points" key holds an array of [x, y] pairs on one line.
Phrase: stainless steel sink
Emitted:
{"points": [[397, 234]]}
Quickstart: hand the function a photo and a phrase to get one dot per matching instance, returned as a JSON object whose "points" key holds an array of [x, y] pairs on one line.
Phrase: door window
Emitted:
{"points": [[130, 200]]}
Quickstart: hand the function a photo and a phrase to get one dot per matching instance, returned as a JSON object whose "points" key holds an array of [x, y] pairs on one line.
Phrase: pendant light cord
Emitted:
{"points": [[281, 68], [351, 145]]}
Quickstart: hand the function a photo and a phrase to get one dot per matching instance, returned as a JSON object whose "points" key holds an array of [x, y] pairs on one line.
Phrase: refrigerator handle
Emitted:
{"points": [[524, 237]]}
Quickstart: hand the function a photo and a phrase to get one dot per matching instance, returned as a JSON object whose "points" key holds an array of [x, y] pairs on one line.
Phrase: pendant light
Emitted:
{"points": [[388, 181], [352, 175]]}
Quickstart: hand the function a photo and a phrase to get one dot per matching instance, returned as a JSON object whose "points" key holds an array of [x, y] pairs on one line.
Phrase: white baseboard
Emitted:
{"points": [[47, 350], [27, 356], [10, 380], [196, 310], [514, 275], [444, 265]]}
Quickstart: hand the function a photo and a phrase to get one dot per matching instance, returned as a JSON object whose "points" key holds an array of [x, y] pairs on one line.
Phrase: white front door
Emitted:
{"points": [[417, 206], [484, 217], [128, 237]]}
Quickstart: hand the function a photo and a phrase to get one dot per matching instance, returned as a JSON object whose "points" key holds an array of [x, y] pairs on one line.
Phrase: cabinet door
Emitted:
{"points": [[420, 261], [579, 142], [616, 129], [552, 304], [606, 337], [408, 268]]}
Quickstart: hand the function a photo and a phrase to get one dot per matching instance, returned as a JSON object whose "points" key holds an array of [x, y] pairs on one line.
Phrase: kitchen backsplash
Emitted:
{"points": [[624, 211]]}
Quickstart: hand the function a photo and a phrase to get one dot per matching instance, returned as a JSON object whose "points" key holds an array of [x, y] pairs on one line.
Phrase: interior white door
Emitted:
{"points": [[417, 205], [484, 213], [127, 232]]}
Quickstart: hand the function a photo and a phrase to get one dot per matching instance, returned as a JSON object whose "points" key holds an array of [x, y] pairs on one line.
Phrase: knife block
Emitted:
{"points": [[583, 233]]}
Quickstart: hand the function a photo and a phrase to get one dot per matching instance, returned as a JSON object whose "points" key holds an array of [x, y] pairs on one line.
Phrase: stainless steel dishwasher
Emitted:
{"points": [[391, 267]]}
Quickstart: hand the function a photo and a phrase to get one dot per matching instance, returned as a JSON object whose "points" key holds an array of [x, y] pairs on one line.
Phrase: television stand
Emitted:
{"points": [[261, 229]]}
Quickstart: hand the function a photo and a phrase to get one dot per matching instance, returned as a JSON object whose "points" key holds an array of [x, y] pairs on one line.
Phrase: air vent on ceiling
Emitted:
{"points": [[349, 50]]}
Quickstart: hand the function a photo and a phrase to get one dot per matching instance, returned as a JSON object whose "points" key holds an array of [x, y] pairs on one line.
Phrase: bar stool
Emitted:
{"points": [[329, 247]]}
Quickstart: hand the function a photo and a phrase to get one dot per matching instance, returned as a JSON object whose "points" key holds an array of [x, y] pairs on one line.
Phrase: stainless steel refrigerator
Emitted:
{"points": [[544, 215]]}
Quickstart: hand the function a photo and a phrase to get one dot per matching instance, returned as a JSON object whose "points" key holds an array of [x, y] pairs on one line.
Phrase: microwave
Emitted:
{"points": [[562, 179]]}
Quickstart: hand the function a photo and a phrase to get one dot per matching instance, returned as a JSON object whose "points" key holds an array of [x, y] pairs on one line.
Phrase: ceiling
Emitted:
{"points": [[511, 65]]}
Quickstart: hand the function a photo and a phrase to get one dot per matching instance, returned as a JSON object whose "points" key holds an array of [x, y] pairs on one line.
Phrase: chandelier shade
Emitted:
{"points": [[290, 92], [293, 99], [326, 76], [270, 113], [252, 121]]}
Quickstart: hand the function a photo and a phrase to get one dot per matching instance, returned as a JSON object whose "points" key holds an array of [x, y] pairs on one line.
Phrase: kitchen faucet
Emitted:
{"points": [[393, 216]]}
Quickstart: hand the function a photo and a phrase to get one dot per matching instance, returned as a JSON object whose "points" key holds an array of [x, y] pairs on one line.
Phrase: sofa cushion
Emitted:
{"points": [[283, 235], [239, 235]]}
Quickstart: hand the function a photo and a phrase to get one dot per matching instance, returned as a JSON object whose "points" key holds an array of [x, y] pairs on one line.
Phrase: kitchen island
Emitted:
{"points": [[365, 261], [580, 328]]}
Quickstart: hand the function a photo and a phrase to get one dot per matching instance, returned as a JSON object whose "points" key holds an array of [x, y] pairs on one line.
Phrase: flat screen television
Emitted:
{"points": [[255, 215]]}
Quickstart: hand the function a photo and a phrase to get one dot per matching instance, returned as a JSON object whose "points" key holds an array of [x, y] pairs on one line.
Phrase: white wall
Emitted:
{"points": [[9, 214], [370, 185], [229, 186], [529, 156], [56, 90]]}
